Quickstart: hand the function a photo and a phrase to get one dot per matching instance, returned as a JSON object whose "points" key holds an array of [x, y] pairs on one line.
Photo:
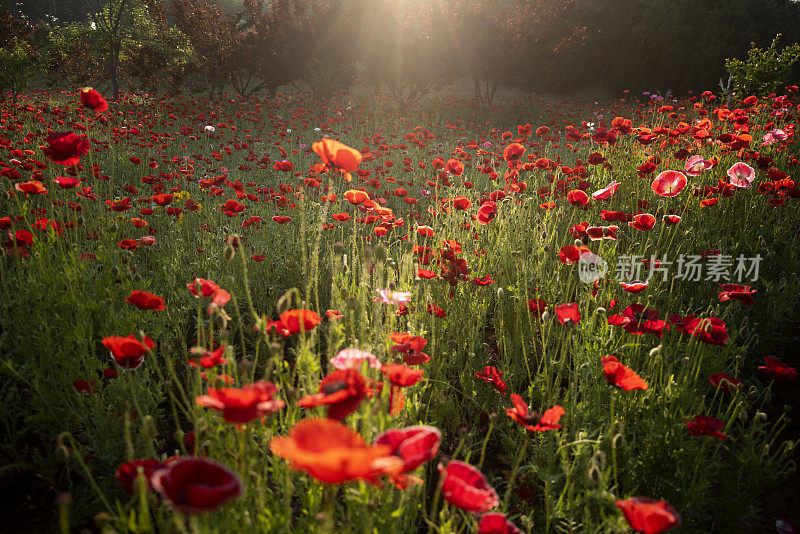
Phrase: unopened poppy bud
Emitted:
{"points": [[742, 413], [290, 394], [380, 252], [179, 435], [600, 311], [61, 445], [391, 263], [500, 293], [392, 286], [766, 449], [493, 417], [367, 252], [761, 417], [594, 475], [618, 441], [149, 430], [338, 248], [137, 277], [245, 366], [113, 227], [545, 316], [578, 242], [655, 351], [228, 252], [80, 221], [344, 295], [275, 346], [220, 321], [64, 499]]}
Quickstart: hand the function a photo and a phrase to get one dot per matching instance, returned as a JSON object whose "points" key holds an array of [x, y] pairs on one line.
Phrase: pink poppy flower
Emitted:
{"points": [[669, 183], [696, 165], [352, 359], [607, 192], [741, 175]]}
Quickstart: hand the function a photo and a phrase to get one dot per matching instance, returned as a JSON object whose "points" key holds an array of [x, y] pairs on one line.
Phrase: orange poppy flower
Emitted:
{"points": [[333, 453], [338, 156]]}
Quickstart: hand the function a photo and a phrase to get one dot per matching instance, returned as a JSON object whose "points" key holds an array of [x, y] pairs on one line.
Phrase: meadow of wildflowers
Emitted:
{"points": [[288, 315]]}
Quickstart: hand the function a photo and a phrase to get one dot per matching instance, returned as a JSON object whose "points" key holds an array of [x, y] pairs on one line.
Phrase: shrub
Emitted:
{"points": [[764, 71]]}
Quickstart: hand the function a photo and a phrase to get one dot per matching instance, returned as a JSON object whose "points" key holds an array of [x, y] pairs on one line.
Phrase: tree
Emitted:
{"points": [[20, 61], [132, 31], [213, 37]]}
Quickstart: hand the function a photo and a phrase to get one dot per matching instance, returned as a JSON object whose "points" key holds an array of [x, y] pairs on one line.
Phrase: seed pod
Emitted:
{"points": [[229, 252]]}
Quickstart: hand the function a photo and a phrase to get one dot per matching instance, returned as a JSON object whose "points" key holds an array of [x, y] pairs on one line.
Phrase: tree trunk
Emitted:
{"points": [[495, 84], [113, 67], [478, 95]]}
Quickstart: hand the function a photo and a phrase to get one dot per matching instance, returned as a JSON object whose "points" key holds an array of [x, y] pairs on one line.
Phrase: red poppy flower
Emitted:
{"points": [[643, 222], [486, 213], [66, 148], [245, 404], [649, 516], [425, 273], [638, 320], [568, 314], [570, 254], [669, 183], [492, 375], [129, 471], [333, 453], [496, 523], [724, 382], [414, 445], [513, 152], [706, 425], [634, 287], [208, 359], [541, 131], [203, 288], [777, 370], [461, 203], [66, 182], [196, 485], [620, 376], [294, 321], [342, 391], [93, 100], [708, 330], [145, 301], [577, 197], [537, 306], [454, 167], [485, 281], [743, 294], [401, 375], [31, 187], [464, 486], [532, 420], [128, 352]]}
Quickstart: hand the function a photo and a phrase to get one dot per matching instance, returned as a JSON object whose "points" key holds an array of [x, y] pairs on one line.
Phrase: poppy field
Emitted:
{"points": [[284, 314]]}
